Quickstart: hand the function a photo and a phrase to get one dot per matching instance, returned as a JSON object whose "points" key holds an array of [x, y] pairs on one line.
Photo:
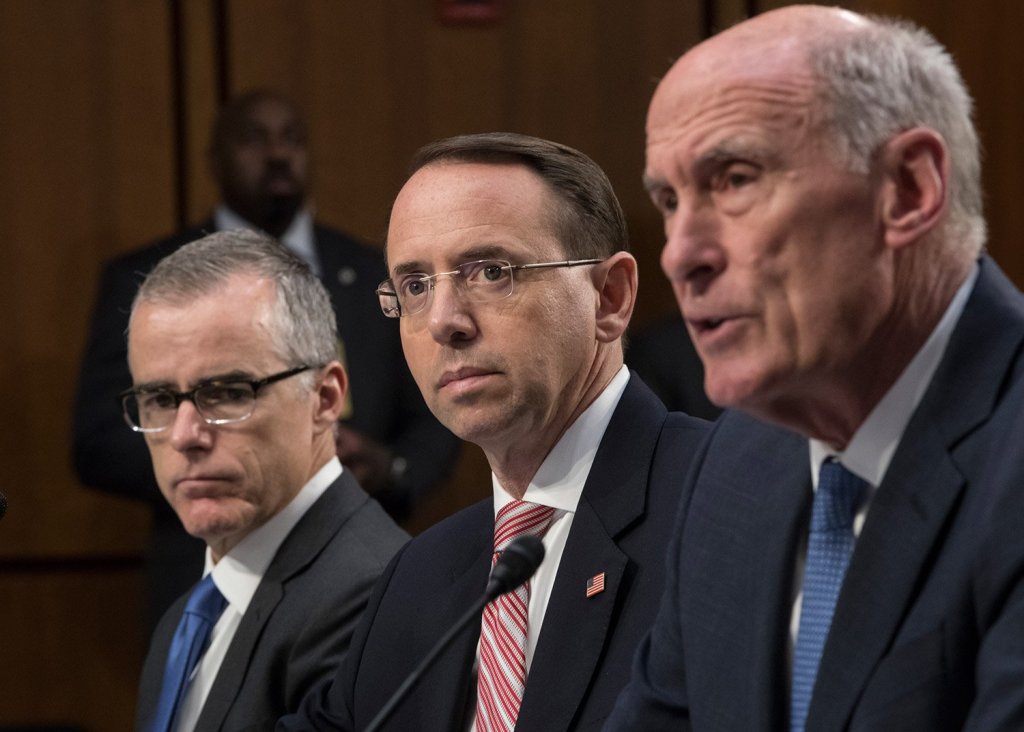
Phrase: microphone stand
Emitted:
{"points": [[515, 566], [412, 679]]}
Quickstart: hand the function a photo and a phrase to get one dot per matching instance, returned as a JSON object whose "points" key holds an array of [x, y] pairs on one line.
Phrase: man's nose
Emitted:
{"points": [[189, 429], [692, 254]]}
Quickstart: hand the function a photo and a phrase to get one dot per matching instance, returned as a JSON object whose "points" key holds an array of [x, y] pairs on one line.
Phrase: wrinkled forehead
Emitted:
{"points": [[705, 105]]}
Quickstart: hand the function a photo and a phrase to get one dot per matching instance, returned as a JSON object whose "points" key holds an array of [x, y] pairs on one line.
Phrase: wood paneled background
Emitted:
{"points": [[104, 114]]}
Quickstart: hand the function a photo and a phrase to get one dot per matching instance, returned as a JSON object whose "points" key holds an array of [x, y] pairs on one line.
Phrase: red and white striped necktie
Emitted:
{"points": [[501, 676]]}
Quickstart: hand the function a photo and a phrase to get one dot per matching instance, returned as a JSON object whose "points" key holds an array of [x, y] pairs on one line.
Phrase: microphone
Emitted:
{"points": [[3, 505], [515, 565]]}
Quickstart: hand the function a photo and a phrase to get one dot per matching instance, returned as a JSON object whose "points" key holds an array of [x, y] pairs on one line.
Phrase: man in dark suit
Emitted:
{"points": [[386, 436], [845, 559], [510, 275], [237, 389]]}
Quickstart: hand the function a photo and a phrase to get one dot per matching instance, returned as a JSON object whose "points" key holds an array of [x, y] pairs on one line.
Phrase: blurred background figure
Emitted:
{"points": [[259, 158]]}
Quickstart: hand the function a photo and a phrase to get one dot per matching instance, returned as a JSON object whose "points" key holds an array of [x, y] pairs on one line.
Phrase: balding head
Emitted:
{"points": [[817, 172]]}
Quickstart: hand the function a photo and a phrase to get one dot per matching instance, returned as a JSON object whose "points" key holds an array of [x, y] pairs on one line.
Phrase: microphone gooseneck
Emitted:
{"points": [[515, 565]]}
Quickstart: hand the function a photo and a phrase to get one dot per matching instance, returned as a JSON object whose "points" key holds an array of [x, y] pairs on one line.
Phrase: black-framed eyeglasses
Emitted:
{"points": [[482, 281], [218, 402]]}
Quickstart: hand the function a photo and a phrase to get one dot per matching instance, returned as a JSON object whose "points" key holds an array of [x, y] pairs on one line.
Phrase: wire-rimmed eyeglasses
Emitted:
{"points": [[482, 281], [220, 401]]}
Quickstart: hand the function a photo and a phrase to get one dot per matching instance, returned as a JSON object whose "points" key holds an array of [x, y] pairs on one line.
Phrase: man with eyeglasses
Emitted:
{"points": [[261, 160], [512, 287], [237, 389]]}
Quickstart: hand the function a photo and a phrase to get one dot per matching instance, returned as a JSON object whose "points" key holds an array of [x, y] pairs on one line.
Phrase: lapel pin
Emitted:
{"points": [[595, 585]]}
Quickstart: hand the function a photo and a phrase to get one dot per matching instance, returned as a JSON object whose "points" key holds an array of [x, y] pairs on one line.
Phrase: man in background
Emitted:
{"points": [[511, 279], [386, 435], [237, 390], [845, 560]]}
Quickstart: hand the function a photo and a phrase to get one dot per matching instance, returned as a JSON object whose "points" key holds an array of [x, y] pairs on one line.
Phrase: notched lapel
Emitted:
{"points": [[904, 525], [233, 670], [576, 627], [743, 530], [910, 509]]}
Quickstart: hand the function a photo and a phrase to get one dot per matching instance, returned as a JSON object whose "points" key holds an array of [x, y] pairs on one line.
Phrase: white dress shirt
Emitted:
{"points": [[874, 443], [237, 575], [559, 483]]}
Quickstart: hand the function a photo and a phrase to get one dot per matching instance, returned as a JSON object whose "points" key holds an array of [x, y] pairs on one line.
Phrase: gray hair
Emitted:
{"points": [[304, 329], [889, 76], [588, 219]]}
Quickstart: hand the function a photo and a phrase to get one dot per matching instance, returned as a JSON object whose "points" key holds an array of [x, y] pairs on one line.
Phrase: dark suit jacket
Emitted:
{"points": [[386, 404], [299, 624], [928, 632], [582, 656]]}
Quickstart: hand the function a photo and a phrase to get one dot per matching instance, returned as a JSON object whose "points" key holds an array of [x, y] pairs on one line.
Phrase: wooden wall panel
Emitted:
{"points": [[379, 83], [82, 180], [71, 650], [85, 158]]}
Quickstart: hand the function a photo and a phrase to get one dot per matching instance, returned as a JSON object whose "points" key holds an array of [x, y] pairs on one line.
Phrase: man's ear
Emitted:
{"points": [[330, 396], [915, 185], [615, 280]]}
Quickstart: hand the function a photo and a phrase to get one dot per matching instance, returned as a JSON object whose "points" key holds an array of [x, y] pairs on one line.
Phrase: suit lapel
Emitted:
{"points": [[323, 519], [576, 627], [454, 683], [918, 493], [742, 535], [905, 522]]}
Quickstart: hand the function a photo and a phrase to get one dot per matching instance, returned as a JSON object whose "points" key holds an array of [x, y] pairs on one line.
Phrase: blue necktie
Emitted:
{"points": [[829, 548], [202, 610]]}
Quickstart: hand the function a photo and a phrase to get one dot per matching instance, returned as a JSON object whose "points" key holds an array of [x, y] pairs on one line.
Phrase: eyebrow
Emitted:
{"points": [[652, 184], [236, 375], [479, 251]]}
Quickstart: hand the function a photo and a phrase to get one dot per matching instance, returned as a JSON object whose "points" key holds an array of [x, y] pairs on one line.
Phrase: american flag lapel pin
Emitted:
{"points": [[595, 585]]}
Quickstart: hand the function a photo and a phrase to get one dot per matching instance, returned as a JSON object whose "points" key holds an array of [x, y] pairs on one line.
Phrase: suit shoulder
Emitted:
{"points": [[142, 259], [354, 250], [452, 541]]}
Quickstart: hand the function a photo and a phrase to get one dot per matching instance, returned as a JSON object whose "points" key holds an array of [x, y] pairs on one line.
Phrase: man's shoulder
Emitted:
{"points": [[353, 530], [354, 249], [453, 542]]}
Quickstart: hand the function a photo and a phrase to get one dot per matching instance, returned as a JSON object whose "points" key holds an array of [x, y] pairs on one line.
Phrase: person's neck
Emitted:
{"points": [[515, 460]]}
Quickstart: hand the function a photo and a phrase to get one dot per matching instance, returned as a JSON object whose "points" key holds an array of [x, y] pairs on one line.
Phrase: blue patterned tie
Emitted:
{"points": [[204, 607], [829, 549]]}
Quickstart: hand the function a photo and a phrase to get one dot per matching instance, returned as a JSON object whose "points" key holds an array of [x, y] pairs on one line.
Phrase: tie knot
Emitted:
{"points": [[520, 518], [206, 601], [839, 494]]}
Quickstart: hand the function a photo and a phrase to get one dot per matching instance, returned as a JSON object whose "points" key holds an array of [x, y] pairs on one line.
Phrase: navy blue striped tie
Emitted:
{"points": [[829, 548]]}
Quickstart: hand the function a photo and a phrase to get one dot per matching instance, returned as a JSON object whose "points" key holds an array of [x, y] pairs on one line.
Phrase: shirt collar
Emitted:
{"points": [[239, 572], [559, 480], [870, 451], [298, 237]]}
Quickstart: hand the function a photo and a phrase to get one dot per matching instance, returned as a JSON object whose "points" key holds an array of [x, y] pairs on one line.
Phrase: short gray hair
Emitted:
{"points": [[304, 327], [888, 76]]}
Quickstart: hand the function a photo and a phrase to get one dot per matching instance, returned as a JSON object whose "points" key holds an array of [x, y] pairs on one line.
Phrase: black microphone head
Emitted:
{"points": [[515, 565], [3, 505]]}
